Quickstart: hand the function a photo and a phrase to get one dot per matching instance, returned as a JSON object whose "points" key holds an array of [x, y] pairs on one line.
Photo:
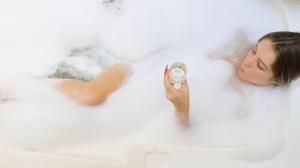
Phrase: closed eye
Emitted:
{"points": [[259, 65]]}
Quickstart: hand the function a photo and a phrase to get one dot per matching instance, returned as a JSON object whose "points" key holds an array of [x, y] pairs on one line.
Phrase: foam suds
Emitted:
{"points": [[36, 42]]}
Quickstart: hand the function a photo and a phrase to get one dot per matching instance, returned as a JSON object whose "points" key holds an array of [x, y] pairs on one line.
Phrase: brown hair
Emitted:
{"points": [[287, 48]]}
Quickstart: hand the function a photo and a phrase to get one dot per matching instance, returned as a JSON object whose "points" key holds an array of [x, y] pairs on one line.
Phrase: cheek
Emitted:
{"points": [[256, 73], [252, 73], [259, 75]]}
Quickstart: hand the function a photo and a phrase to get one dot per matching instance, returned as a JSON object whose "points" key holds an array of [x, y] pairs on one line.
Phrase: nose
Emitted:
{"points": [[249, 61]]}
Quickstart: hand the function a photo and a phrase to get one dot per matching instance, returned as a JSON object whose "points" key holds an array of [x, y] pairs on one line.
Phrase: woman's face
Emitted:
{"points": [[256, 66]]}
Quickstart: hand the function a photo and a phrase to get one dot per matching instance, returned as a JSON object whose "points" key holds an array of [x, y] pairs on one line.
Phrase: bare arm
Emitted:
{"points": [[179, 98], [95, 92]]}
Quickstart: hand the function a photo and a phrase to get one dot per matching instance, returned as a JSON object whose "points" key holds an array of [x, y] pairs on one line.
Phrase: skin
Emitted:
{"points": [[179, 98], [256, 66], [95, 92], [255, 69]]}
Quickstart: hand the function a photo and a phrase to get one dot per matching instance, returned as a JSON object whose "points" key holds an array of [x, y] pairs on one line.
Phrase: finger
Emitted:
{"points": [[184, 88], [184, 83], [166, 79], [166, 69], [170, 89], [168, 86]]}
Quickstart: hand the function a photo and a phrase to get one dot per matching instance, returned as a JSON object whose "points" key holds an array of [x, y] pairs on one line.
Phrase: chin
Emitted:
{"points": [[242, 78]]}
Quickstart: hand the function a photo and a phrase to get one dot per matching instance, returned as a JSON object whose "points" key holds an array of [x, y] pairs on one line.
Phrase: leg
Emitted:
{"points": [[95, 92]]}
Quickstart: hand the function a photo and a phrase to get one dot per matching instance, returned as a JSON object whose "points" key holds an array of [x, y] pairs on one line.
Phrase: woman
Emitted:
{"points": [[275, 60]]}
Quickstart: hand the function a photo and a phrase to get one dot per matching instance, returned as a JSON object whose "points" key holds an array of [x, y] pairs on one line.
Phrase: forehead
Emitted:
{"points": [[266, 52]]}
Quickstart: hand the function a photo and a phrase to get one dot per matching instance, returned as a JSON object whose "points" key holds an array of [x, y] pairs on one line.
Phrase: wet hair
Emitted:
{"points": [[287, 49]]}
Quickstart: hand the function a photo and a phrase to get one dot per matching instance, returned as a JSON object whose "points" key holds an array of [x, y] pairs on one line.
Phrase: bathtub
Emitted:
{"points": [[282, 153]]}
